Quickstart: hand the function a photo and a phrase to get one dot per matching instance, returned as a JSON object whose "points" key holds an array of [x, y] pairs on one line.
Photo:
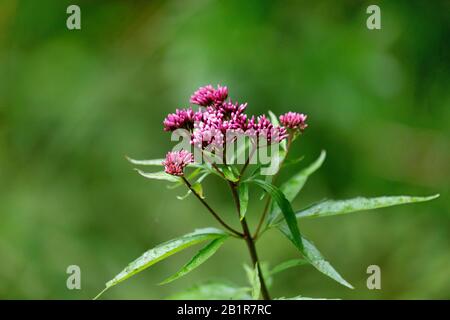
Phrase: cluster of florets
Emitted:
{"points": [[181, 119], [219, 118], [294, 120], [176, 161]]}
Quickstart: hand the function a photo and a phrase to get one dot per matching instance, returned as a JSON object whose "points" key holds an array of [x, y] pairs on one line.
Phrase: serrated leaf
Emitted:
{"points": [[243, 199], [161, 175], [204, 254], [163, 251], [315, 258], [213, 291], [293, 186], [286, 209], [335, 207], [253, 279], [287, 265]]}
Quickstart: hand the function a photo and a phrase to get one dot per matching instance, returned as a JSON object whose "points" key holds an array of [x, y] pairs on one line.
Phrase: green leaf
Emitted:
{"points": [[239, 153], [315, 258], [286, 208], [292, 187], [274, 119], [243, 199], [191, 176], [153, 162], [253, 279], [288, 162], [204, 254], [213, 291], [276, 123], [197, 187], [335, 207], [158, 176], [267, 276], [287, 265], [235, 170], [255, 172], [229, 174], [163, 251]]}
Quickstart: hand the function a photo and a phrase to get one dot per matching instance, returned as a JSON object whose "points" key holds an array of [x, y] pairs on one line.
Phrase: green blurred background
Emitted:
{"points": [[73, 103]]}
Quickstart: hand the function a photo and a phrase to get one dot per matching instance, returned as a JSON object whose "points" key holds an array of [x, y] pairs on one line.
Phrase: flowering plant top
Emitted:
{"points": [[224, 141]]}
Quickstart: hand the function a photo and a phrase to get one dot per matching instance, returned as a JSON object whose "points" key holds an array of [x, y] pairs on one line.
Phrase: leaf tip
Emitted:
{"points": [[434, 196], [323, 154], [165, 281], [101, 292]]}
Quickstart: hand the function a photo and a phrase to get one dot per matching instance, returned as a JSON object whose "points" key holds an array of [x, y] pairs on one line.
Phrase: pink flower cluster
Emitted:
{"points": [[207, 95], [176, 161], [182, 119], [294, 120], [218, 118]]}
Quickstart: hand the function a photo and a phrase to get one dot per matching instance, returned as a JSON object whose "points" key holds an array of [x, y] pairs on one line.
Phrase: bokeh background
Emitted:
{"points": [[73, 103]]}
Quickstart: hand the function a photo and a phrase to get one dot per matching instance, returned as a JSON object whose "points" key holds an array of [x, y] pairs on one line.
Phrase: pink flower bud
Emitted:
{"points": [[294, 120], [176, 161]]}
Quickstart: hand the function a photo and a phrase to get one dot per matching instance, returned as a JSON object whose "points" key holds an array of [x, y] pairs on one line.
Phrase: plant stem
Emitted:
{"points": [[223, 223], [250, 243], [253, 254], [247, 162], [266, 206]]}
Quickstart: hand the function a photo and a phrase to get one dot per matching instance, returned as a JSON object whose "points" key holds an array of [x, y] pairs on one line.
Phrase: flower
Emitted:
{"points": [[176, 161], [218, 121], [294, 120], [181, 119], [262, 127], [206, 135], [234, 113], [207, 96]]}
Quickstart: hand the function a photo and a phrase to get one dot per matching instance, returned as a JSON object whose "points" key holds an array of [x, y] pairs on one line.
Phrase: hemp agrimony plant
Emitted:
{"points": [[247, 153]]}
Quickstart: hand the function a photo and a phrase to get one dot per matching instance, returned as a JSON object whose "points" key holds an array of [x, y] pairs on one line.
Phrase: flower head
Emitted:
{"points": [[208, 95], [176, 161], [181, 119], [206, 135], [294, 120], [220, 120], [265, 129], [234, 115]]}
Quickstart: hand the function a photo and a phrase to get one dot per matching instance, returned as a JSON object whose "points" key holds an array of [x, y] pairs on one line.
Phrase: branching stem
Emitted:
{"points": [[250, 242], [218, 218], [267, 205]]}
